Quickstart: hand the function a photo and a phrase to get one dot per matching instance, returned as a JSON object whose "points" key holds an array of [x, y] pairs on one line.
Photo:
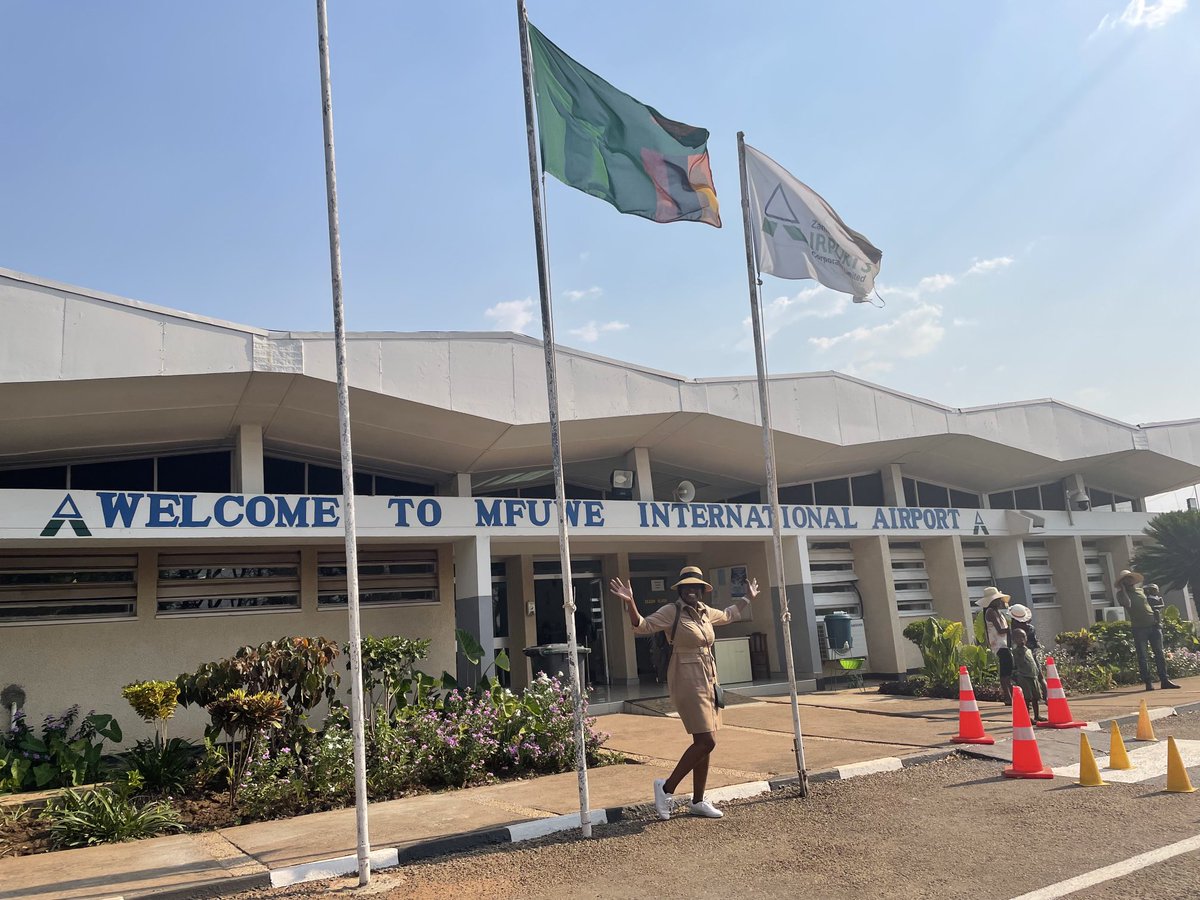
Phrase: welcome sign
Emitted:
{"points": [[54, 516]]}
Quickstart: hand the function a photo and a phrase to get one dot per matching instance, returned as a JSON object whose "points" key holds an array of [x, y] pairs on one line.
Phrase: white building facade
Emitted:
{"points": [[169, 492]]}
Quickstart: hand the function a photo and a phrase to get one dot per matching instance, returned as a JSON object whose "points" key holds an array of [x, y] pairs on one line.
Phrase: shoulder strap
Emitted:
{"points": [[675, 627]]}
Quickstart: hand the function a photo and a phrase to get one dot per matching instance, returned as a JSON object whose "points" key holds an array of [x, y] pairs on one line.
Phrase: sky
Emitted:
{"points": [[1028, 169]]}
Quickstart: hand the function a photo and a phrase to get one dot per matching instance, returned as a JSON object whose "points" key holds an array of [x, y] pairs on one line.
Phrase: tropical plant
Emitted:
{"points": [[474, 653], [154, 702], [297, 669], [168, 766], [69, 752], [105, 815], [1173, 556], [939, 641], [981, 663], [388, 672], [245, 720]]}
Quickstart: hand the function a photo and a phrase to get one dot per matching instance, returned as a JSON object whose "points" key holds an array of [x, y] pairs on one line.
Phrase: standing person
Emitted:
{"points": [[691, 675], [1022, 620], [1146, 622], [995, 622], [1028, 672]]}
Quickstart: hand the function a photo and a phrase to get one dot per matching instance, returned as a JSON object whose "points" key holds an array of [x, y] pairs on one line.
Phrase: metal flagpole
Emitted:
{"points": [[343, 394], [760, 355], [564, 544]]}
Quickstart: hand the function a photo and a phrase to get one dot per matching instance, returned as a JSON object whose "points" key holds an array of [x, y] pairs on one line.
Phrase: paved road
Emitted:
{"points": [[949, 829]]}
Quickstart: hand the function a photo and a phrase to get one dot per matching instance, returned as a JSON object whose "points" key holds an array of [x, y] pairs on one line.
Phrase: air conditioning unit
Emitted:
{"points": [[1113, 613], [858, 641]]}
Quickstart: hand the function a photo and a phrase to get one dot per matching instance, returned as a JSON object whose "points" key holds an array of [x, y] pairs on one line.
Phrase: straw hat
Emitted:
{"points": [[1020, 612], [991, 595], [692, 575], [1138, 578]]}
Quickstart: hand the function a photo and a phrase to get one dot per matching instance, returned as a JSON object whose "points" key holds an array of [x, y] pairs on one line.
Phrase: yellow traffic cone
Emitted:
{"points": [[1177, 776], [1145, 731], [1089, 772], [1118, 758]]}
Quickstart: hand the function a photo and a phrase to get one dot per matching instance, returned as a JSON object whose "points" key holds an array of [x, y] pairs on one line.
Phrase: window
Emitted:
{"points": [[122, 475], [227, 582], [293, 476], [834, 492], [910, 579], [203, 473], [867, 489], [208, 472], [385, 578], [1041, 576], [835, 584], [977, 567], [58, 588], [796, 495], [859, 490], [963, 499], [45, 477]]}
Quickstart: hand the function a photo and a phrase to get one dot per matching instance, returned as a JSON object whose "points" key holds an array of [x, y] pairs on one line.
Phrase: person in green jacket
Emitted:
{"points": [[1146, 623]]}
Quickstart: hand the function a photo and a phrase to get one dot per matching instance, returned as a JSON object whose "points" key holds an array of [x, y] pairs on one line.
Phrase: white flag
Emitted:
{"points": [[798, 235]]}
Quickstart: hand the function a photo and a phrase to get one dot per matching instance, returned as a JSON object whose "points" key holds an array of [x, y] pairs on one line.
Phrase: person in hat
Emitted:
{"points": [[1146, 623], [995, 624], [691, 675], [1027, 672]]}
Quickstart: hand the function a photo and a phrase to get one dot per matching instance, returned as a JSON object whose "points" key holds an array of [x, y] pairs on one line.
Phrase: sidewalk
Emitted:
{"points": [[846, 733]]}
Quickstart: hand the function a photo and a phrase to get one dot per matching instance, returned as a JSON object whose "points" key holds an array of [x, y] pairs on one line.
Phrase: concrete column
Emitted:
{"points": [[459, 485], [893, 485], [1008, 565], [948, 581], [806, 651], [638, 459], [473, 601], [522, 621], [248, 460], [147, 586], [308, 578], [622, 650], [885, 643], [1070, 581]]}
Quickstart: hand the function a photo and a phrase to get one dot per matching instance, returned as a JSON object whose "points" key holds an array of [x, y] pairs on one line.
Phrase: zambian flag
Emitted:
{"points": [[607, 144]]}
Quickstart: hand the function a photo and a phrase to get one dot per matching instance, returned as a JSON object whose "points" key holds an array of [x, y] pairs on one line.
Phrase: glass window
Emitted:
{"points": [[50, 588], [1028, 498], [963, 499], [385, 578], [1001, 500], [283, 476], [1100, 499], [118, 475], [796, 495], [933, 495], [364, 484], [386, 486], [204, 473], [834, 492], [867, 489], [324, 480], [227, 582], [910, 492], [42, 478], [1053, 496]]}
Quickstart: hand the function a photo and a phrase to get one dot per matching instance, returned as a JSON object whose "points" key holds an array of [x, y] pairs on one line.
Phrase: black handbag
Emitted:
{"points": [[718, 695]]}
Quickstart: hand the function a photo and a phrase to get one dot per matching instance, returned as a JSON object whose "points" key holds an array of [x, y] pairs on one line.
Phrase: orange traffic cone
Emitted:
{"points": [[1027, 761], [970, 724], [1058, 713]]}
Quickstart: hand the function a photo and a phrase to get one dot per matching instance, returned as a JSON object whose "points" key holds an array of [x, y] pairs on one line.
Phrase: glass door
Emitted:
{"points": [[590, 630]]}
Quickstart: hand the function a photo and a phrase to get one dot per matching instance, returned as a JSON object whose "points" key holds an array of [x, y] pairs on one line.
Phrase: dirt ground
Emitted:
{"points": [[948, 829]]}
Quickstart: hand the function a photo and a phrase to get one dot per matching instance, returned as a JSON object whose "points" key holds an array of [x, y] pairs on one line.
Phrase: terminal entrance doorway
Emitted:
{"points": [[590, 626]]}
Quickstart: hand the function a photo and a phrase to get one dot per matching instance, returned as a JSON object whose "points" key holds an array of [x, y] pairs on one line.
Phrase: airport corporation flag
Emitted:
{"points": [[798, 235], [605, 143]]}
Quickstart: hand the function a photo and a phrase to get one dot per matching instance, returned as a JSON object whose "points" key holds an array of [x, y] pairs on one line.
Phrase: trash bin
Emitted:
{"points": [[552, 659], [837, 630]]}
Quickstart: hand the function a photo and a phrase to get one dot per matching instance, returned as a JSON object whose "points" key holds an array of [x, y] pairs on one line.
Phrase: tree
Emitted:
{"points": [[1172, 560]]}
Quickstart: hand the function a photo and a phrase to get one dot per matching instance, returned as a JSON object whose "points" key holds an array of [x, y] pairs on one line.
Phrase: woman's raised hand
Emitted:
{"points": [[752, 588], [622, 589]]}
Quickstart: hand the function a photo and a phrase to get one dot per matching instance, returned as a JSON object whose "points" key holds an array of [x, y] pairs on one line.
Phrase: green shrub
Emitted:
{"points": [[154, 702], [245, 720], [106, 815], [167, 766], [69, 753], [939, 641]]}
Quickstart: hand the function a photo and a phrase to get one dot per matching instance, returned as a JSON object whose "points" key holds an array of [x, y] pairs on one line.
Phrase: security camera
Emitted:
{"points": [[1079, 501]]}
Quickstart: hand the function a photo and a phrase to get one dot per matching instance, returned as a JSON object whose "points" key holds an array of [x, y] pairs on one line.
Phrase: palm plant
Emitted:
{"points": [[1172, 559]]}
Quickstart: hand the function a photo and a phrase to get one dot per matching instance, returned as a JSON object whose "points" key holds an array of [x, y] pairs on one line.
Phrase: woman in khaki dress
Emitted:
{"points": [[691, 675]]}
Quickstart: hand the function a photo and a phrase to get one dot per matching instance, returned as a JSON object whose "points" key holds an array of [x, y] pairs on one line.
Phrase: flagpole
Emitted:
{"points": [[564, 544], [343, 395], [760, 355]]}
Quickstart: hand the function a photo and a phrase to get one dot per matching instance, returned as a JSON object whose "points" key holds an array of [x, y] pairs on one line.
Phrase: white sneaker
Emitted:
{"points": [[706, 809], [662, 800]]}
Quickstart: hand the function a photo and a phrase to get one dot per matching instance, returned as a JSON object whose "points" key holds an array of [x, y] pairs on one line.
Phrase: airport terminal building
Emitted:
{"points": [[170, 491]]}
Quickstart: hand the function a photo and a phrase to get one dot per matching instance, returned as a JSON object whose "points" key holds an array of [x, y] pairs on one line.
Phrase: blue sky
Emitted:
{"points": [[1028, 169]]}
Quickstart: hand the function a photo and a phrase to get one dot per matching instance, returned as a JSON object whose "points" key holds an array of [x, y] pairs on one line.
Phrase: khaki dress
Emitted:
{"points": [[693, 670]]}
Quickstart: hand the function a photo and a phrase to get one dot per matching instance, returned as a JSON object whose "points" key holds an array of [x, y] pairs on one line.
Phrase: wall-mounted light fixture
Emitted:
{"points": [[622, 484]]}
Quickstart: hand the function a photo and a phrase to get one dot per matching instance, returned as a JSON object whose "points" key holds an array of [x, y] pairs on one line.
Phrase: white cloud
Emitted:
{"points": [[912, 334], [935, 283], [1143, 14], [959, 322], [511, 315], [983, 266], [587, 294], [590, 333]]}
